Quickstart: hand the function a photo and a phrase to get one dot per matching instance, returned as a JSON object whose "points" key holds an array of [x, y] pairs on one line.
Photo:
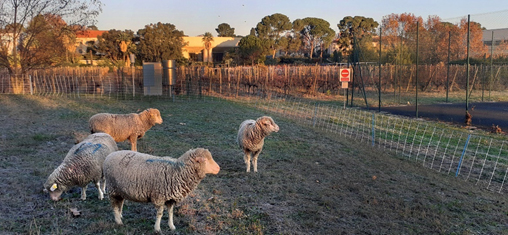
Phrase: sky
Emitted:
{"points": [[195, 17]]}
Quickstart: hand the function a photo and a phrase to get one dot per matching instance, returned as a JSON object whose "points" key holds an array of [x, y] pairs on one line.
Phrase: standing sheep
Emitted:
{"points": [[162, 181], [251, 137], [125, 126], [82, 165]]}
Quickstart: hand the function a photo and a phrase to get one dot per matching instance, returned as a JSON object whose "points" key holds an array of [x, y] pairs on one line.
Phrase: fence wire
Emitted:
{"points": [[473, 158]]}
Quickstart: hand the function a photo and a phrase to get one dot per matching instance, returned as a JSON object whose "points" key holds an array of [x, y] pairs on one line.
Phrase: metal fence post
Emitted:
{"points": [[462, 156], [373, 129], [315, 114], [31, 87]]}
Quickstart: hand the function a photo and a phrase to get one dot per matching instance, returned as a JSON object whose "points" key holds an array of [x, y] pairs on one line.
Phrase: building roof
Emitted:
{"points": [[90, 33]]}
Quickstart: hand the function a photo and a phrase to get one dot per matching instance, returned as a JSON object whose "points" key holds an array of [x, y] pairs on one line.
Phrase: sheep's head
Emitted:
{"points": [[155, 116], [268, 124], [55, 190], [204, 158]]}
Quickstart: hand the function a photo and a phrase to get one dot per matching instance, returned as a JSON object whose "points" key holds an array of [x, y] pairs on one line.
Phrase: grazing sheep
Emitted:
{"points": [[251, 137], [125, 126], [163, 181], [82, 165]]}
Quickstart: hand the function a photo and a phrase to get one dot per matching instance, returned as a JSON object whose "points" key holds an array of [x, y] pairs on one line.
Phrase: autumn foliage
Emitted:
{"points": [[436, 39]]}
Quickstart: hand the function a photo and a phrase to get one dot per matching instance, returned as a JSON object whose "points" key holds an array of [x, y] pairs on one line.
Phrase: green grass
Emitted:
{"points": [[310, 181]]}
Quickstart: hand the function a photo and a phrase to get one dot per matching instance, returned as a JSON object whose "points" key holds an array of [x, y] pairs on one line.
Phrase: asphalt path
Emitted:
{"points": [[484, 114]]}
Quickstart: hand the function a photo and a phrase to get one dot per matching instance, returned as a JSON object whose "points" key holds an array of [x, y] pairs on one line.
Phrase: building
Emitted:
{"points": [[85, 38], [496, 37], [195, 48]]}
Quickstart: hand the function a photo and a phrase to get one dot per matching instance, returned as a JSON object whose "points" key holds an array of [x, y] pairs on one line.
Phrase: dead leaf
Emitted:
{"points": [[181, 123], [75, 212]]}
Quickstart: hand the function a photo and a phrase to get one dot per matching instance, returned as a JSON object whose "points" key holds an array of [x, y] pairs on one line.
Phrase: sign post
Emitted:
{"points": [[345, 77]]}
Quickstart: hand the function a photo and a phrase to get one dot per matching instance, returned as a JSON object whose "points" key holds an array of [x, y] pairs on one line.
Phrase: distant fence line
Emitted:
{"points": [[235, 81]]}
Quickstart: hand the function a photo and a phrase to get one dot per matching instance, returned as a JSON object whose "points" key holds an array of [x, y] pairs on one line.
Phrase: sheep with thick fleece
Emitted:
{"points": [[251, 137], [163, 181], [82, 165], [125, 126]]}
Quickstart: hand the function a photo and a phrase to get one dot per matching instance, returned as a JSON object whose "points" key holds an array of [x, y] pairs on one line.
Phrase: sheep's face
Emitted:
{"points": [[155, 114], [208, 165], [268, 124], [54, 191]]}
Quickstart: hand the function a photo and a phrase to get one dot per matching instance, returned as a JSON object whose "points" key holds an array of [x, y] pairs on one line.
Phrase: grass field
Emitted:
{"points": [[309, 181]]}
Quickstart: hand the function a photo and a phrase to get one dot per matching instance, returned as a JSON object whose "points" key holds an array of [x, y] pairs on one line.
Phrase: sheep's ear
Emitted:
{"points": [[200, 159]]}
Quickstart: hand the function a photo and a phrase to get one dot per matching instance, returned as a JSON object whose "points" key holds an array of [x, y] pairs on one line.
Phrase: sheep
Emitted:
{"points": [[125, 126], [163, 181], [251, 137], [82, 165]]}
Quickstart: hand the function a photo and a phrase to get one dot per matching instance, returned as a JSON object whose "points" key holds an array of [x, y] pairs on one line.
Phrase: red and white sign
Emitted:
{"points": [[345, 75]]}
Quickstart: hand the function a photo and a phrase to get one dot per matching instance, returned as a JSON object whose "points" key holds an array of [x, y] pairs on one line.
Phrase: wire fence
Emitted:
{"points": [[469, 156], [302, 81]]}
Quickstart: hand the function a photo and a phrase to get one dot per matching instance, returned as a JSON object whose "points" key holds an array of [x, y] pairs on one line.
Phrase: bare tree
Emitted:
{"points": [[20, 37]]}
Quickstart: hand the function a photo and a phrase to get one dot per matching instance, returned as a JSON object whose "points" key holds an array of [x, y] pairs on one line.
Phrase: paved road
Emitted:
{"points": [[484, 113]]}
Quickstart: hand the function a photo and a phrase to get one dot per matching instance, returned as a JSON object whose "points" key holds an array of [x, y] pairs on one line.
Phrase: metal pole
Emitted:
{"points": [[133, 70], [491, 62], [379, 83], [354, 63], [345, 100], [399, 74], [417, 41], [31, 86], [448, 65], [467, 65]]}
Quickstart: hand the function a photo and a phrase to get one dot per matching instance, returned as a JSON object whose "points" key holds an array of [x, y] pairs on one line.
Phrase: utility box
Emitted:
{"points": [[152, 78]]}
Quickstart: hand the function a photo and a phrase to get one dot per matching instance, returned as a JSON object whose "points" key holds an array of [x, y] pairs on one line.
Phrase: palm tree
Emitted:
{"points": [[207, 40]]}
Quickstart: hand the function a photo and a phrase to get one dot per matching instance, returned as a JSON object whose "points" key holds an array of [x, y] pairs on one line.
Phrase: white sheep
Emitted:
{"points": [[82, 165], [125, 126], [163, 181], [251, 137]]}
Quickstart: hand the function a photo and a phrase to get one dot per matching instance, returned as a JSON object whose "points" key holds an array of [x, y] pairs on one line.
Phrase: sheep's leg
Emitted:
{"points": [[133, 139], [246, 158], [255, 160], [157, 226], [83, 192], [101, 192], [117, 204], [170, 205], [103, 186]]}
